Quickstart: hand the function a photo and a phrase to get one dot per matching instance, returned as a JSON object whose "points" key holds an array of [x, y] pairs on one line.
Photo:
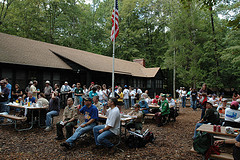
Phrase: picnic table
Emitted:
{"points": [[209, 128], [31, 108], [153, 106]]}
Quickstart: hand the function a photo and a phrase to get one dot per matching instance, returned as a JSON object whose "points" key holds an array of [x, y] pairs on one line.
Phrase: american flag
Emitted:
{"points": [[116, 22]]}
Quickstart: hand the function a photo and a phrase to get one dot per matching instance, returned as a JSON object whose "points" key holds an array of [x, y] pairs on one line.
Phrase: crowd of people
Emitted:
{"points": [[98, 99], [89, 102], [215, 111]]}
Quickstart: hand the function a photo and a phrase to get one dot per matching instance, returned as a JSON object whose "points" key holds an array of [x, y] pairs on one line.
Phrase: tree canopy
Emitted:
{"points": [[203, 35]]}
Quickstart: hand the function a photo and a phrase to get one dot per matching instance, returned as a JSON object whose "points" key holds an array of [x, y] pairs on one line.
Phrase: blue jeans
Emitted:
{"points": [[183, 101], [49, 116], [194, 105], [195, 131], [79, 131], [191, 102], [3, 108], [132, 102], [100, 139], [203, 112], [126, 103]]}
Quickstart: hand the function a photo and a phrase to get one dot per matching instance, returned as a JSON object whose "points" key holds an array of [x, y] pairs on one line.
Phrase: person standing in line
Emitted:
{"points": [[203, 92], [132, 94], [47, 90], [126, 97], [194, 99], [184, 95], [34, 90]]}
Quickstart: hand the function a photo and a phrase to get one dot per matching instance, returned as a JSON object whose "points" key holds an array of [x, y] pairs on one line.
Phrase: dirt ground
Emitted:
{"points": [[173, 141]]}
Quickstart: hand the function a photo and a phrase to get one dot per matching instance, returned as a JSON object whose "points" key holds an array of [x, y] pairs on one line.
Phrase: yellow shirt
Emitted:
{"points": [[121, 97]]}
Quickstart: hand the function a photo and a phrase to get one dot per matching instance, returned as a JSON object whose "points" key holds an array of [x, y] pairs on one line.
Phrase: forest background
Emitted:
{"points": [[200, 38]]}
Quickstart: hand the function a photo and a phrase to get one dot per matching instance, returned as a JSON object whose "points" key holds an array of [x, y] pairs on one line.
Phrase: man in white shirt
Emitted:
{"points": [[111, 128], [132, 94], [34, 90], [126, 97], [232, 114], [183, 95], [171, 101], [65, 88]]}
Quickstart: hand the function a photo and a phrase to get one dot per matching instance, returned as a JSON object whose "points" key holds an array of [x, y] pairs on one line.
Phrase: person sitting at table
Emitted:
{"points": [[29, 98], [236, 147], [211, 117], [136, 123], [173, 111], [214, 99], [231, 114], [171, 101], [155, 101], [164, 111], [111, 128], [42, 99], [143, 106], [97, 103], [69, 120], [44, 102], [91, 116], [53, 110], [221, 108]]}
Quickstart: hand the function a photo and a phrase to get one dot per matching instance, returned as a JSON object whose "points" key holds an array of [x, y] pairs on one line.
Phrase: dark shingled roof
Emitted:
{"points": [[18, 50]]}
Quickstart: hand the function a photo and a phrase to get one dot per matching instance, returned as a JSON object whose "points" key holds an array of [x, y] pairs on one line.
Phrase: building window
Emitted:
{"points": [[56, 78], [32, 75], [122, 82], [134, 82], [149, 83], [159, 83], [7, 73], [21, 78]]}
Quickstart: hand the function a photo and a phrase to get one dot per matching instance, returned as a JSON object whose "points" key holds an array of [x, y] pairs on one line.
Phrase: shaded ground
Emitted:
{"points": [[173, 141]]}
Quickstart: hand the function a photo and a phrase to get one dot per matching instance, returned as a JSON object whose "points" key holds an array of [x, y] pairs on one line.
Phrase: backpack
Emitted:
{"points": [[202, 142], [136, 140]]}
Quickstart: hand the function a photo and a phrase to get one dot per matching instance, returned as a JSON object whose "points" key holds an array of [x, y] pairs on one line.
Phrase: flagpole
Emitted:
{"points": [[113, 92]]}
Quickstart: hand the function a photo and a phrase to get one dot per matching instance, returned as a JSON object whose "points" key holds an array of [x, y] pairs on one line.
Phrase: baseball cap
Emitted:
{"points": [[169, 95], [88, 99], [224, 99], [47, 82], [234, 103], [157, 96], [125, 86], [164, 95], [210, 102]]}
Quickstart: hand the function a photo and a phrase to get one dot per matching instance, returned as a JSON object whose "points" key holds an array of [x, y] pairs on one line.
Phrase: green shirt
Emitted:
{"points": [[78, 91], [165, 107]]}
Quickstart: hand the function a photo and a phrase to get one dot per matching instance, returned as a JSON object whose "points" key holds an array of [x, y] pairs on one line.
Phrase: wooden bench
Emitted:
{"points": [[222, 137], [224, 156], [14, 119]]}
